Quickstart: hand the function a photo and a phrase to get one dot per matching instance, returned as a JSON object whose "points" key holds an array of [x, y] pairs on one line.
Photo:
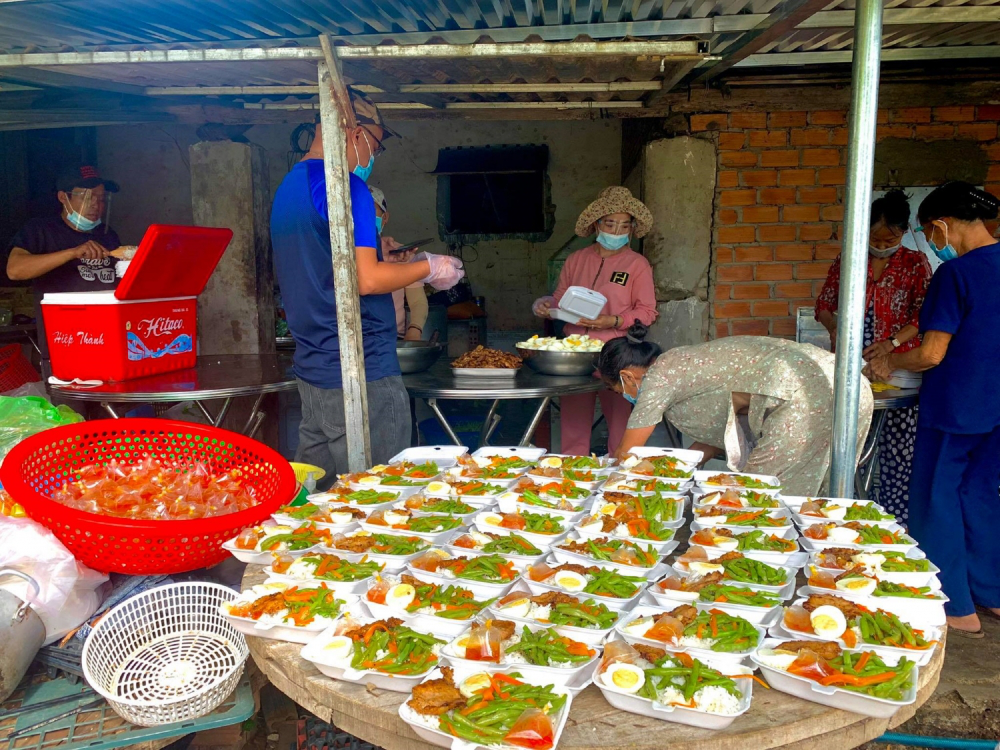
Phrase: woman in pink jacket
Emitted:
{"points": [[625, 278]]}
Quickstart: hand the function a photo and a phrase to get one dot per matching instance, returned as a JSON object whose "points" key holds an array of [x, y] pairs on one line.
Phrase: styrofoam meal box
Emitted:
{"points": [[526, 453], [579, 302], [785, 591], [443, 455], [539, 540], [910, 550], [698, 501], [340, 528], [574, 679], [414, 488], [918, 579], [930, 611], [520, 561], [433, 538], [540, 587], [701, 480], [340, 588], [597, 533], [675, 522], [292, 633], [590, 636], [684, 454], [794, 502], [834, 697], [330, 498], [149, 324], [439, 627], [570, 516], [391, 562], [785, 559], [922, 657], [643, 610], [440, 738], [905, 379], [804, 522], [465, 518], [624, 484], [693, 717], [763, 616], [480, 589], [607, 464], [651, 573], [480, 501], [253, 557], [541, 480]]}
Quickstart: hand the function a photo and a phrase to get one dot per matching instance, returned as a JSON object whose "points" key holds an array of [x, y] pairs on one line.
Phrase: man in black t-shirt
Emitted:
{"points": [[68, 252]]}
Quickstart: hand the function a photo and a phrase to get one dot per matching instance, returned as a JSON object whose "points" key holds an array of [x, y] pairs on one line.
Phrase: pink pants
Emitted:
{"points": [[577, 417]]}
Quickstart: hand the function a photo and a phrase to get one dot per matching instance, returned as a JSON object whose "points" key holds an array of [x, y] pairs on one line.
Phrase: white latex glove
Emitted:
{"points": [[541, 306], [446, 271]]}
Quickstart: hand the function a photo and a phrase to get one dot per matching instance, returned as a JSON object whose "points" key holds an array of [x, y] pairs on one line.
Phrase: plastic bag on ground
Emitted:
{"points": [[68, 595], [27, 415]]}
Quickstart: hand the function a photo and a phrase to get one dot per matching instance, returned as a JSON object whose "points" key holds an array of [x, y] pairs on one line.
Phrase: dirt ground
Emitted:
{"points": [[967, 701]]}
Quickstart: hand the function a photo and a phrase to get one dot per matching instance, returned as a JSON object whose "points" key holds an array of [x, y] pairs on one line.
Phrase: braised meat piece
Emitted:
{"points": [[729, 556], [483, 357], [581, 569], [506, 628], [697, 584], [355, 513], [552, 598], [358, 632], [850, 609], [825, 649], [618, 498], [354, 543], [649, 653], [437, 697], [685, 613]]}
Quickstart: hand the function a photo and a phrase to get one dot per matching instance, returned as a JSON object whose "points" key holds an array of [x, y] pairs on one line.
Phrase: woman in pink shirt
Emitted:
{"points": [[625, 278]]}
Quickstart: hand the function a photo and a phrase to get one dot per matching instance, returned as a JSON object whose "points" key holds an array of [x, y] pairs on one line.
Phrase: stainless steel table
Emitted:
{"points": [[222, 377], [868, 459], [440, 382]]}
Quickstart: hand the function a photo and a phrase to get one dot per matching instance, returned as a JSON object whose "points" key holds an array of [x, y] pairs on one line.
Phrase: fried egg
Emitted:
{"points": [[340, 648], [639, 626], [855, 585], [625, 677], [835, 512], [551, 462], [842, 535], [474, 684], [776, 659], [400, 596], [569, 580], [828, 622], [704, 568], [439, 488], [517, 608]]}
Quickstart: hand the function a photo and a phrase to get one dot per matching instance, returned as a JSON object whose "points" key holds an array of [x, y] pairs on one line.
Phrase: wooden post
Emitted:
{"points": [[336, 113]]}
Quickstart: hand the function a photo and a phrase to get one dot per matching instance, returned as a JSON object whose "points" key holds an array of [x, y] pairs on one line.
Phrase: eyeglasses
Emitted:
{"points": [[379, 147], [615, 226]]}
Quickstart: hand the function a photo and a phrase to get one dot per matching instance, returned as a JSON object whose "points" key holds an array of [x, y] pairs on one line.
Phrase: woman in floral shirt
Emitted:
{"points": [[897, 283]]}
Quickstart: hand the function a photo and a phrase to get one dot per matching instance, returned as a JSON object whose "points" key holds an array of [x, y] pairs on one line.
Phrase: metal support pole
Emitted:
{"points": [[854, 254], [345, 271]]}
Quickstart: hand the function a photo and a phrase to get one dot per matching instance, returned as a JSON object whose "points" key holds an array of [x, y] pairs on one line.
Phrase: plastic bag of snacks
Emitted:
{"points": [[8, 507], [24, 416]]}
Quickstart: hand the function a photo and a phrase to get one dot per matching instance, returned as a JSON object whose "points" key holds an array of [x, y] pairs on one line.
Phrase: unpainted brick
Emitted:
{"points": [[760, 214], [893, 131], [800, 213], [736, 235], [722, 291], [780, 158], [777, 196], [793, 289], [717, 121], [827, 250], [953, 114], [911, 114], [828, 117], [738, 158], [770, 309], [735, 273], [796, 177], [732, 141], [768, 138], [748, 120], [783, 327], [815, 232], [793, 252], [759, 177], [721, 330], [935, 132], [820, 157], [811, 137], [832, 176], [817, 195], [978, 131], [737, 198], [728, 178], [788, 119], [753, 254], [815, 270], [732, 309], [776, 233], [751, 291], [773, 271], [832, 213], [728, 216], [988, 112], [751, 327]]}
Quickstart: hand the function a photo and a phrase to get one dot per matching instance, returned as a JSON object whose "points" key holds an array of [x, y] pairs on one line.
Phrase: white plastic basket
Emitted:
{"points": [[166, 655]]}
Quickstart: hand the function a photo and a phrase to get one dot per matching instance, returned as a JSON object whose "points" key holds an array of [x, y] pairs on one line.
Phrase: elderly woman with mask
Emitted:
{"points": [[625, 278], [765, 404], [954, 508], [897, 282]]}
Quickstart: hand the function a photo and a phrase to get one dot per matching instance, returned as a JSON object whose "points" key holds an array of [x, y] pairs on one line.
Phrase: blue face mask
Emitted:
{"points": [[366, 171], [81, 222], [945, 253], [378, 224], [631, 399], [612, 241]]}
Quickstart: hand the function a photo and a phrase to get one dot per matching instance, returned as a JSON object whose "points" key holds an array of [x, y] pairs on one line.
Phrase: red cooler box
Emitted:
{"points": [[149, 324]]}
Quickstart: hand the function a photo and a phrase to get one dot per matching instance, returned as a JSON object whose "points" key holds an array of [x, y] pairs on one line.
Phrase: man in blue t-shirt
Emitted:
{"points": [[300, 237]]}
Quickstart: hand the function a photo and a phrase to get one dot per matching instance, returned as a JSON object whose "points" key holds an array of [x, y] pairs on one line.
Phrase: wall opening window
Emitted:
{"points": [[494, 193]]}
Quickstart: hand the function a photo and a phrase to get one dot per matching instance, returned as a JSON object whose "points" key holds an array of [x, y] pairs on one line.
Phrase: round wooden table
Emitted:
{"points": [[774, 719]]}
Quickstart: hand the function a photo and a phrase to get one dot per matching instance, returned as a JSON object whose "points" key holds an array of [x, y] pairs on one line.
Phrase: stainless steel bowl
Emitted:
{"points": [[559, 363], [417, 356]]}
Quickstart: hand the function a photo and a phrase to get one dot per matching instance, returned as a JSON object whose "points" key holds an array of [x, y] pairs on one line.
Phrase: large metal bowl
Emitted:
{"points": [[559, 363], [417, 356]]}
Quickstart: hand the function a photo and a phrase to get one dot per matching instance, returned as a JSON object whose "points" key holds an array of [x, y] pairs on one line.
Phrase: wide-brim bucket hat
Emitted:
{"points": [[615, 200]]}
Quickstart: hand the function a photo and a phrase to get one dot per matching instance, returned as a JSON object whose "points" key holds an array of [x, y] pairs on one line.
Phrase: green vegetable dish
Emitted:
{"points": [[734, 595], [546, 648], [448, 507], [745, 570], [369, 497], [686, 674], [725, 633]]}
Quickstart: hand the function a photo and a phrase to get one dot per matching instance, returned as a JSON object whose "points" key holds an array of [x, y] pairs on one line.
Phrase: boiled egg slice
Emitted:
{"points": [[551, 462], [828, 622], [370, 480], [482, 461], [631, 461], [871, 560], [438, 488], [507, 502], [340, 648], [479, 537], [781, 660], [340, 518], [727, 543], [639, 626], [842, 535], [489, 519], [627, 678], [857, 585], [517, 608], [378, 468], [569, 580], [703, 568], [474, 684], [608, 509], [460, 645], [835, 512], [400, 596], [395, 519]]}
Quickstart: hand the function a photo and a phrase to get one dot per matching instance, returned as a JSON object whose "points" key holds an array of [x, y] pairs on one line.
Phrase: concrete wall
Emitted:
{"points": [[151, 164]]}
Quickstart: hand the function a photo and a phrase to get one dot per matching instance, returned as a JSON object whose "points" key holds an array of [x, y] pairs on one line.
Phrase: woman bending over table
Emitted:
{"points": [[766, 404], [954, 506]]}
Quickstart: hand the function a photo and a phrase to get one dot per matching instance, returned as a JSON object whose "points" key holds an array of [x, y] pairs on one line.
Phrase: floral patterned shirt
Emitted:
{"points": [[897, 296]]}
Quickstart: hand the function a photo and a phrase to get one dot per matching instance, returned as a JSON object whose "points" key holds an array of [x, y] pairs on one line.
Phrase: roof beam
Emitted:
{"points": [[782, 20], [52, 78], [770, 59], [308, 106], [837, 19], [412, 88]]}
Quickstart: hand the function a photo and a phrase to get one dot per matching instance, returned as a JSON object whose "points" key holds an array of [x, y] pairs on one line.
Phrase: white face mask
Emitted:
{"points": [[884, 253]]}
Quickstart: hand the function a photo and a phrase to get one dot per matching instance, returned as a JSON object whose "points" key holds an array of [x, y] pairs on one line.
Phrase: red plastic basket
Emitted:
{"points": [[40, 464]]}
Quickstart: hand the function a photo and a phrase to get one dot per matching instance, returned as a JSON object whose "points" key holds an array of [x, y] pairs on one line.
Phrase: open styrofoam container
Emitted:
{"points": [[834, 697], [339, 528], [340, 588], [501, 486], [424, 481], [527, 453], [675, 522], [392, 563], [520, 561], [622, 605], [686, 455], [626, 484], [443, 455], [917, 579], [651, 573], [693, 717], [329, 498], [574, 679], [701, 480], [699, 500], [796, 558], [281, 632], [432, 538], [644, 610], [590, 636], [592, 485], [480, 589], [264, 557], [794, 502], [542, 541], [440, 627], [921, 657], [910, 550], [315, 652], [440, 738], [785, 591], [930, 611]]}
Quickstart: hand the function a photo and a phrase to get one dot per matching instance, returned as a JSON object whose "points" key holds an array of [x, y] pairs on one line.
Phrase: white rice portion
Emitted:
{"points": [[411, 716]]}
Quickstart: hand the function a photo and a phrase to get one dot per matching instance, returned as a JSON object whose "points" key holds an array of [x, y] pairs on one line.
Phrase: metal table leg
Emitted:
{"points": [[253, 420], [205, 412], [488, 424], [529, 432], [432, 403], [110, 410], [223, 411], [868, 459]]}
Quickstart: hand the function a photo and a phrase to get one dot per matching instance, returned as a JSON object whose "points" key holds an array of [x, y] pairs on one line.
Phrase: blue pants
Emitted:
{"points": [[955, 513]]}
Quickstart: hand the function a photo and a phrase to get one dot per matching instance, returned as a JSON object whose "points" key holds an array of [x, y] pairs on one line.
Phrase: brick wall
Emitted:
{"points": [[779, 202]]}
